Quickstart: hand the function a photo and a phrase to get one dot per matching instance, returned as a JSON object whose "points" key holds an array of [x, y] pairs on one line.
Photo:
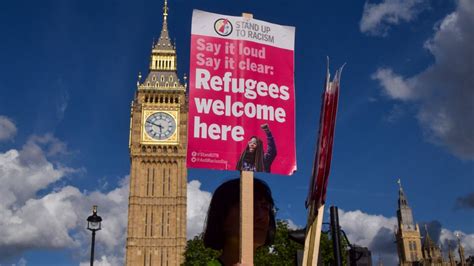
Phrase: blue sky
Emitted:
{"points": [[406, 111]]}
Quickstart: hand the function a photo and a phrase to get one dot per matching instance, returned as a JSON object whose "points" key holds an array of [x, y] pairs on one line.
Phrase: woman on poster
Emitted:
{"points": [[254, 158]]}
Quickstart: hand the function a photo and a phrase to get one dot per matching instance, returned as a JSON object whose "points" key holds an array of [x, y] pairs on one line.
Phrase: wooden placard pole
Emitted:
{"points": [[246, 208], [246, 218], [313, 237]]}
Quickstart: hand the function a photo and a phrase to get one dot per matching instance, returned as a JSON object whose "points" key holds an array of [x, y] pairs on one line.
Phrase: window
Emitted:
{"points": [[153, 183], [170, 78], [151, 224], [162, 222], [146, 221], [148, 181], [164, 183], [168, 223]]}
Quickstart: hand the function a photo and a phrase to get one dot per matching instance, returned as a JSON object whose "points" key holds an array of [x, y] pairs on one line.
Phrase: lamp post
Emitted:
{"points": [[93, 224]]}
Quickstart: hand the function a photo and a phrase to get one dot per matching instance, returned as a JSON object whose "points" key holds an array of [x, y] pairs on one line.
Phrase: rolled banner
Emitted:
{"points": [[327, 124]]}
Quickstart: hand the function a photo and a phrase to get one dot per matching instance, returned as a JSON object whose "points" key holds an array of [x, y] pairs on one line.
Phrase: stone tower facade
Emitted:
{"points": [[158, 177], [408, 233], [462, 258], [431, 251], [410, 249]]}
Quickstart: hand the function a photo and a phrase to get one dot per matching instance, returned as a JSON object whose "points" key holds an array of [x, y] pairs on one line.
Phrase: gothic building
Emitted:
{"points": [[156, 233], [408, 233], [411, 251]]}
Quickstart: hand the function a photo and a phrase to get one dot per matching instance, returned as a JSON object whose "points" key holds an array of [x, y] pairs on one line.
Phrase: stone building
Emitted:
{"points": [[410, 249], [156, 233], [408, 233]]}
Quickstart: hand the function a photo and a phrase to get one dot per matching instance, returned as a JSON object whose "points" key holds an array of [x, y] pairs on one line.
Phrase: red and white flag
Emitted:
{"points": [[327, 124]]}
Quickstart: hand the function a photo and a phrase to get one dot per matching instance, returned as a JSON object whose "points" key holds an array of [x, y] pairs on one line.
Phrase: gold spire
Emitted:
{"points": [[165, 11], [401, 195], [163, 52], [164, 42], [428, 242]]}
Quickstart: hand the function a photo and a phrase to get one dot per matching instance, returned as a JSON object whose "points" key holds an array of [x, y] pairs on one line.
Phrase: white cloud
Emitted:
{"points": [[57, 219], [25, 172], [377, 18], [7, 128], [444, 92], [363, 228], [373, 231], [394, 85], [197, 205], [448, 236], [377, 232], [292, 225]]}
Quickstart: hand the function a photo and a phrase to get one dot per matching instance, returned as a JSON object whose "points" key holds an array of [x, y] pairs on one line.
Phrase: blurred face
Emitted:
{"points": [[252, 145], [232, 225], [261, 219]]}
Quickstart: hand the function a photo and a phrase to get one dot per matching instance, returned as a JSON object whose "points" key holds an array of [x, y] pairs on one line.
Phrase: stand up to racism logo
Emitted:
{"points": [[223, 27]]}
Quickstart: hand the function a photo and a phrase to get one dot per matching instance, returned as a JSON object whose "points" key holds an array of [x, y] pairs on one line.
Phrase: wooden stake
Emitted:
{"points": [[246, 208], [313, 237], [247, 16], [246, 218]]}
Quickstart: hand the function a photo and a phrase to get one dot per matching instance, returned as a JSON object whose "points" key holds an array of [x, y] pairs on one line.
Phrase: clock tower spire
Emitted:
{"points": [[156, 233], [407, 233]]}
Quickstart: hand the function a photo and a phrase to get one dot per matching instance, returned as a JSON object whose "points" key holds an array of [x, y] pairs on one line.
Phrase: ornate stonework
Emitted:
{"points": [[408, 233], [409, 245], [156, 232]]}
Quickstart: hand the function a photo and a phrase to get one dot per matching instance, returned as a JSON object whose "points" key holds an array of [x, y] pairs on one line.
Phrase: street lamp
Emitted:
{"points": [[93, 224]]}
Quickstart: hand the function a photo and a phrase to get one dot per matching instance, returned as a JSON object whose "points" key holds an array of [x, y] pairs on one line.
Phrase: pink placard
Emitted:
{"points": [[241, 95]]}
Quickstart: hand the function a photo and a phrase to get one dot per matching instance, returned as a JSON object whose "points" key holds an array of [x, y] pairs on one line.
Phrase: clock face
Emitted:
{"points": [[160, 126]]}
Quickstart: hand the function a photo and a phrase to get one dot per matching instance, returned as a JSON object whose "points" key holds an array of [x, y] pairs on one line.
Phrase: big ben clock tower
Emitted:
{"points": [[157, 202]]}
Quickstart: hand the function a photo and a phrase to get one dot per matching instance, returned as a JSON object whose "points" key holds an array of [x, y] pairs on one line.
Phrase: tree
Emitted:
{"points": [[282, 252], [197, 254]]}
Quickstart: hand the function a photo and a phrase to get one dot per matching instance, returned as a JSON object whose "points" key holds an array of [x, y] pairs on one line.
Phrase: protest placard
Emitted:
{"points": [[241, 95]]}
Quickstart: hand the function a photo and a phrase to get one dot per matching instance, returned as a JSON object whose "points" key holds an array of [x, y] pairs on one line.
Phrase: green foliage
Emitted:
{"points": [[282, 252], [197, 254], [326, 250]]}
